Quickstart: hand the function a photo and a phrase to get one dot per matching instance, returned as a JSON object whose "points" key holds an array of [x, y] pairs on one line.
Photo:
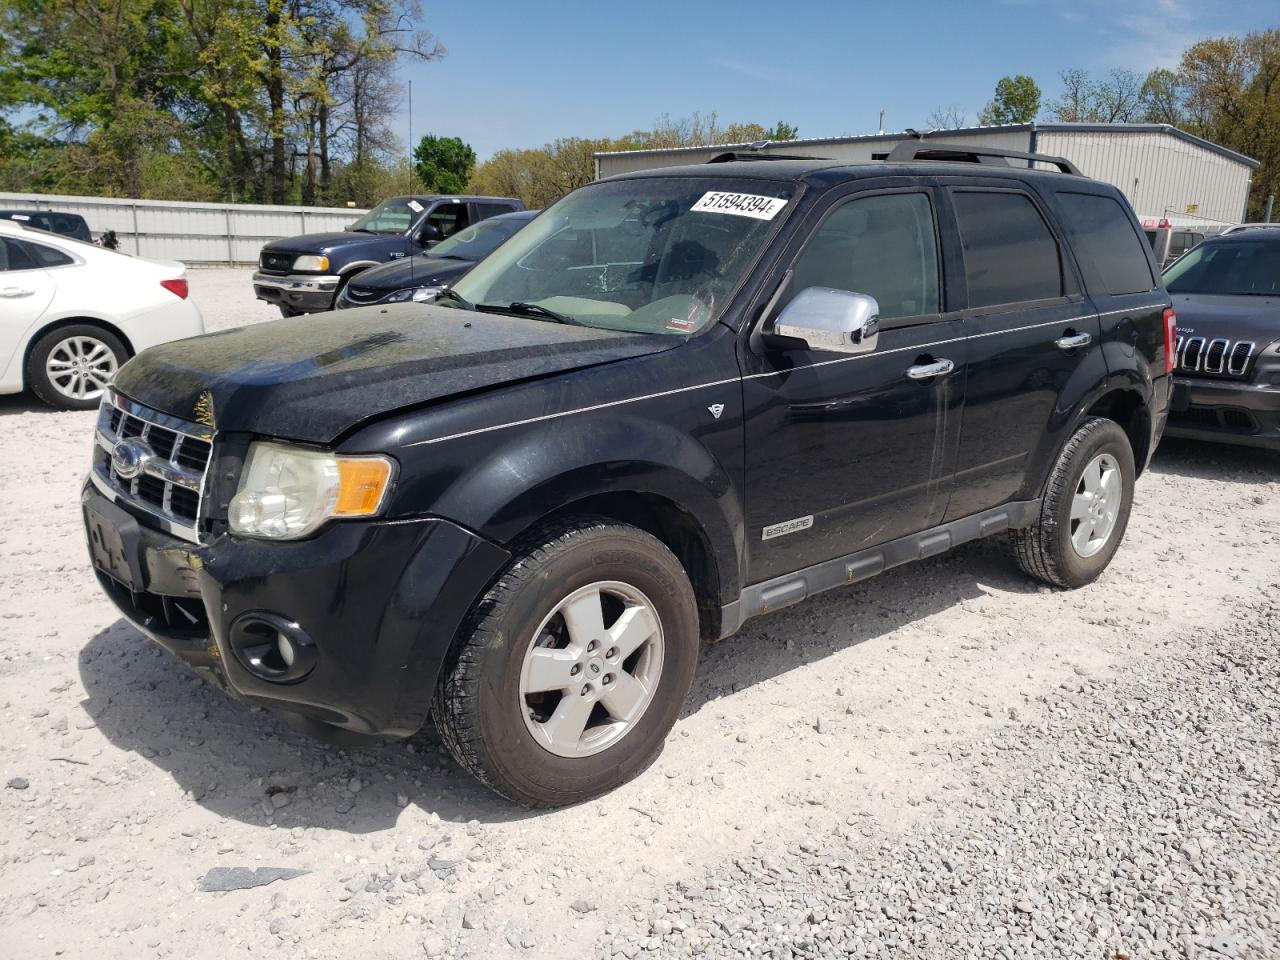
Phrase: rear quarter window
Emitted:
{"points": [[1107, 246], [1010, 255]]}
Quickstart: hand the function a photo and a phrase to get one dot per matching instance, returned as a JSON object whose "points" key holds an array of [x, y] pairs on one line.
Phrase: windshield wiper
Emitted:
{"points": [[362, 230], [523, 309], [459, 299]]}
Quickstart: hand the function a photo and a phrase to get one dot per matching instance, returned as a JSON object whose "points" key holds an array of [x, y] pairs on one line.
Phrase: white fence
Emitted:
{"points": [[195, 233]]}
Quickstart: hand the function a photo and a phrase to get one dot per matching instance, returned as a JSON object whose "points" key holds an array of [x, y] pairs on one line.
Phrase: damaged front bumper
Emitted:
{"points": [[349, 627]]}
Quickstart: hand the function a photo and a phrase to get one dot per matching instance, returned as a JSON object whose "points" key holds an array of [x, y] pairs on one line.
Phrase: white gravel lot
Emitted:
{"points": [[946, 761]]}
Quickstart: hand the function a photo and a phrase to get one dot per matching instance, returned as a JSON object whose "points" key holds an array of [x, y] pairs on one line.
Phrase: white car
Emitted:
{"points": [[72, 313]]}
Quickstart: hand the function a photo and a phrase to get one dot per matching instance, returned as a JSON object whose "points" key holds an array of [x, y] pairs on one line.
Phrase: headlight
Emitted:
{"points": [[312, 264], [418, 294], [288, 492]]}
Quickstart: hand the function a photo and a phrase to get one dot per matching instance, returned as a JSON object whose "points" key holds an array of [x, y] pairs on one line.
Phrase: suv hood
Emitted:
{"points": [[411, 272], [1235, 318], [312, 378]]}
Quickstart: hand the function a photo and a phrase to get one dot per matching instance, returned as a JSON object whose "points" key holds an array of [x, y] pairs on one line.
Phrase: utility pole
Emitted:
{"points": [[410, 190]]}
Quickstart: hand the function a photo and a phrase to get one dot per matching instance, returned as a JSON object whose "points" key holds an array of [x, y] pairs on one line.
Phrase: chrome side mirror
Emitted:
{"points": [[834, 320]]}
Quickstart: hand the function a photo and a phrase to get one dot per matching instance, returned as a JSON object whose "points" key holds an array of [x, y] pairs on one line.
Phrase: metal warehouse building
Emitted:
{"points": [[1163, 171]]}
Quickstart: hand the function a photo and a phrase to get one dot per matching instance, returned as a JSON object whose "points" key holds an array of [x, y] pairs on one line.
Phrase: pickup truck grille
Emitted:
{"points": [[1216, 357], [171, 457], [280, 263]]}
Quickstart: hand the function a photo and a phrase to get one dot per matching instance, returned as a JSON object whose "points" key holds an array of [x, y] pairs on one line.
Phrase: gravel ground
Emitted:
{"points": [[948, 760]]}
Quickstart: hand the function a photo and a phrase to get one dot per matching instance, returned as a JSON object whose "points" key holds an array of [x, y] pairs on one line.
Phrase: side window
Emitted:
{"points": [[448, 218], [486, 210], [14, 255], [884, 246], [42, 256], [1106, 245], [1010, 254]]}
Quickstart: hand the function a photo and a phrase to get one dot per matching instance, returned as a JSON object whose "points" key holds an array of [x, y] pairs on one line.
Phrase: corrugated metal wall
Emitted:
{"points": [[195, 233], [1158, 172]]}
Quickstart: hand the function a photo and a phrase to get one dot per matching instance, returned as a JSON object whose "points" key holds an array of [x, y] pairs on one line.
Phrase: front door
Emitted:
{"points": [[25, 292], [848, 451]]}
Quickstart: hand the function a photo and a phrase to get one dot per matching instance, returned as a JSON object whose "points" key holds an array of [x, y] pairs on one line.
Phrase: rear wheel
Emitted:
{"points": [[572, 669], [69, 368], [1085, 509]]}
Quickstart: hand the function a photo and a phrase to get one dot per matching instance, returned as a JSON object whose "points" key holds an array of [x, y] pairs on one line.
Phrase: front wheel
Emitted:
{"points": [[69, 368], [573, 667], [1085, 509]]}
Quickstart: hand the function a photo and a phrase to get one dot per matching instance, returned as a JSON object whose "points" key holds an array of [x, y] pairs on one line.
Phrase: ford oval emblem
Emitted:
{"points": [[129, 457]]}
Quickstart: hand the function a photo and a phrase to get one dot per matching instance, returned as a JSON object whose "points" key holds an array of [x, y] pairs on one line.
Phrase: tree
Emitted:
{"points": [[1075, 105], [951, 117], [1017, 100], [443, 164], [1232, 97], [1161, 97], [782, 131]]}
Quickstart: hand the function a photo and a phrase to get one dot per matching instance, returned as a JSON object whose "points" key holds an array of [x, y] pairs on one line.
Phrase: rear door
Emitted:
{"points": [[1119, 277], [1032, 338], [849, 451]]}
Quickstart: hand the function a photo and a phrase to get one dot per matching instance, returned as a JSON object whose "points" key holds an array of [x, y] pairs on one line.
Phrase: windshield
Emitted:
{"points": [[476, 243], [1248, 268], [660, 255], [396, 215]]}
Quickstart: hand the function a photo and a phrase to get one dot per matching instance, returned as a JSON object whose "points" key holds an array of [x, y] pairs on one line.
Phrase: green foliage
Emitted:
{"points": [[264, 100], [443, 164], [782, 131], [1017, 100]]}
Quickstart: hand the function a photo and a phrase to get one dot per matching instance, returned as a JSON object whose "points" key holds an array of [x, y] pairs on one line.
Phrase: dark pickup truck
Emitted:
{"points": [[306, 274], [676, 400]]}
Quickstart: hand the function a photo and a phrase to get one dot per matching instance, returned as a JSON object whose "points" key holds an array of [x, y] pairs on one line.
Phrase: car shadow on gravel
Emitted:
{"points": [[846, 617], [1224, 462], [15, 403], [243, 762]]}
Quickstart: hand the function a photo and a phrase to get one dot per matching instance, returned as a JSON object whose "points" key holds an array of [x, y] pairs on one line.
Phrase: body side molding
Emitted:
{"points": [[791, 588]]}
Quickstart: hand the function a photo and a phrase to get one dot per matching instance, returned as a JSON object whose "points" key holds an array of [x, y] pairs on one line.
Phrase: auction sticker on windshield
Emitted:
{"points": [[739, 204]]}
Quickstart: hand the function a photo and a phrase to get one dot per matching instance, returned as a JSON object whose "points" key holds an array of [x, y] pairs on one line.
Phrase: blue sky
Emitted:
{"points": [[519, 74]]}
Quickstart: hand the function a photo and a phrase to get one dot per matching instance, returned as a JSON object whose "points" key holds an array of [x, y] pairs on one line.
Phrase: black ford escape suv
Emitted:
{"points": [[306, 274], [676, 400]]}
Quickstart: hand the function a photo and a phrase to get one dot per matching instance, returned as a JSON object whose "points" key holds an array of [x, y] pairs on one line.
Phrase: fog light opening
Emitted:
{"points": [[272, 647]]}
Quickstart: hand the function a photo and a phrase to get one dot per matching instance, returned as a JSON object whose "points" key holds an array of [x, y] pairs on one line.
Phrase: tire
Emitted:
{"points": [[287, 311], [69, 367], [524, 744], [1071, 551]]}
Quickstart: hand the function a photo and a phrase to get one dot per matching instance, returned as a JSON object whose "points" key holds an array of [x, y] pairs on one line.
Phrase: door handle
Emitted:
{"points": [[923, 371], [1072, 341], [13, 292]]}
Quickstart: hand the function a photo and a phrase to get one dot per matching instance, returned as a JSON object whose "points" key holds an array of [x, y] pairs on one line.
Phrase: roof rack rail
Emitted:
{"points": [[731, 156], [919, 150]]}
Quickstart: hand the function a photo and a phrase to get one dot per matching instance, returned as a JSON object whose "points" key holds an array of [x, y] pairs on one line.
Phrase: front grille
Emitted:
{"points": [[171, 457], [275, 262], [1214, 357]]}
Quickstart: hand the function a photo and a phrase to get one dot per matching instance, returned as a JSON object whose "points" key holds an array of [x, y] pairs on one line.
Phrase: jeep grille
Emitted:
{"points": [[170, 479], [1217, 357]]}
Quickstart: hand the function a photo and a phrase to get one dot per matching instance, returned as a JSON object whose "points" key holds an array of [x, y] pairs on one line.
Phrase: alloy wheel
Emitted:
{"points": [[1096, 505], [80, 367], [591, 669]]}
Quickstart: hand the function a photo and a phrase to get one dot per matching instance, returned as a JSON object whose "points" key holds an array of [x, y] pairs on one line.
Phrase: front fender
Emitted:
{"points": [[504, 490]]}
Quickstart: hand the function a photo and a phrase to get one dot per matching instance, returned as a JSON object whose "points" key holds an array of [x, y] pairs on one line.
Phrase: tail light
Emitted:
{"points": [[177, 287], [1170, 338]]}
